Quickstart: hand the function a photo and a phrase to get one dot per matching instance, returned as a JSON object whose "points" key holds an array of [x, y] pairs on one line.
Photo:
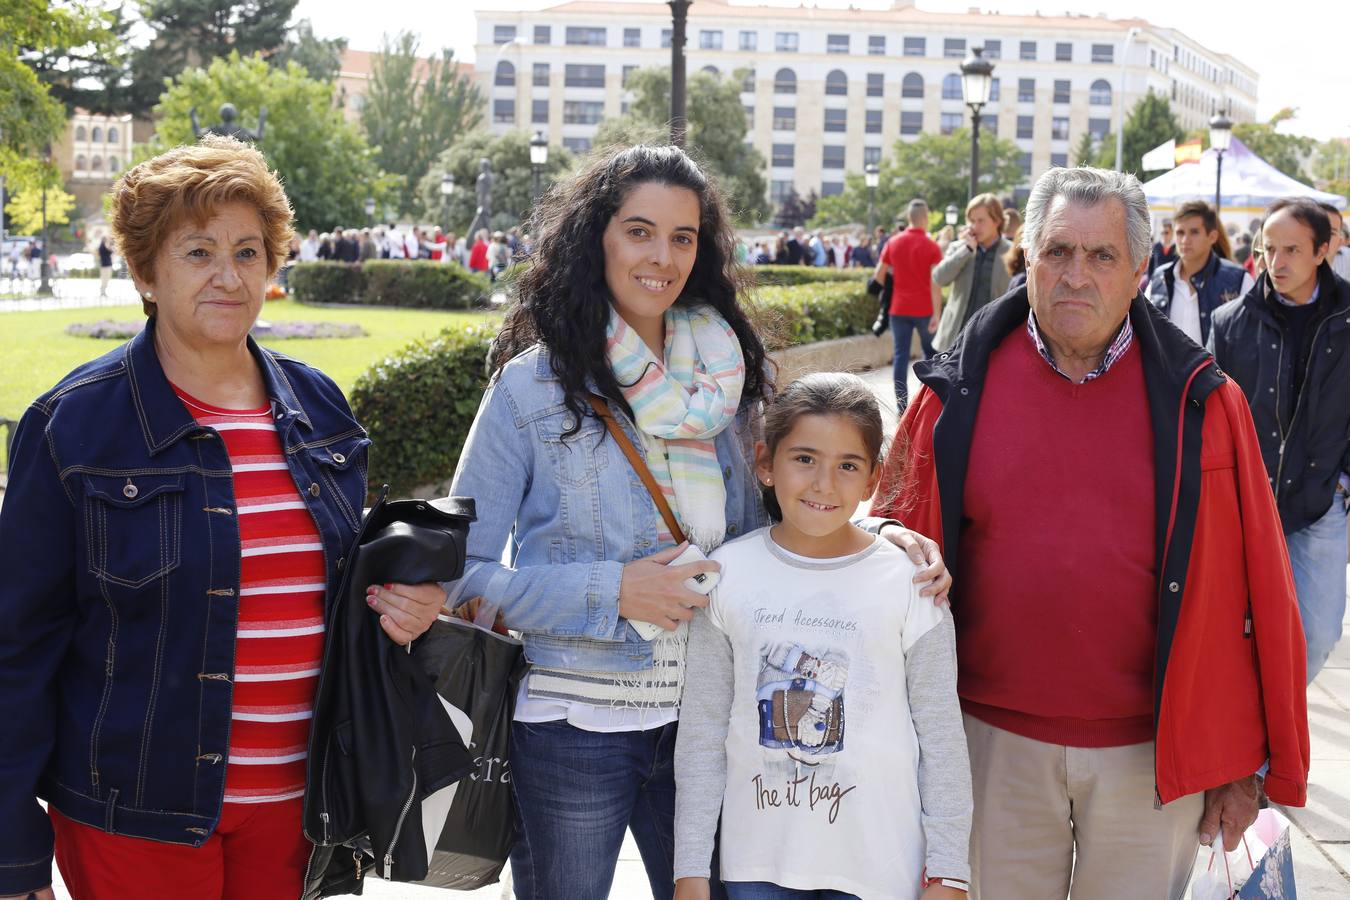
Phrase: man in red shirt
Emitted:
{"points": [[909, 257]]}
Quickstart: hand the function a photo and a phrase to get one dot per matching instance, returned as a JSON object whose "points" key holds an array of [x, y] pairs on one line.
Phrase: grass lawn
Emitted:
{"points": [[35, 351]]}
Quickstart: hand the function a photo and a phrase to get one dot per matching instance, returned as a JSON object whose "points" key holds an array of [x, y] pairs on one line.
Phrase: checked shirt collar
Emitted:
{"points": [[1124, 337]]}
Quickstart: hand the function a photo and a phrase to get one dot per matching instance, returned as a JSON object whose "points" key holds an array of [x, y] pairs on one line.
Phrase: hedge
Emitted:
{"points": [[420, 284], [418, 404], [790, 275]]}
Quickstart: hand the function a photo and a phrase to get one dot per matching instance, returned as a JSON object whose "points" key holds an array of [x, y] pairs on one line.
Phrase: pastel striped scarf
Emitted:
{"points": [[681, 404]]}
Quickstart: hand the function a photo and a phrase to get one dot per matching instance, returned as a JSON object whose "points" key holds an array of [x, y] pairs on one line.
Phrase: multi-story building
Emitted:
{"points": [[827, 91], [355, 70], [91, 154]]}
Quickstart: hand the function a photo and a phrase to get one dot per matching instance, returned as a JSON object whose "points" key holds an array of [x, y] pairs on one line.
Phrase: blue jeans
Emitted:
{"points": [[1318, 555], [902, 332], [763, 890], [577, 792]]}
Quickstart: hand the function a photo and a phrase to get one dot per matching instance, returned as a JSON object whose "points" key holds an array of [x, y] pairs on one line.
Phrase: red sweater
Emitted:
{"points": [[1055, 603]]}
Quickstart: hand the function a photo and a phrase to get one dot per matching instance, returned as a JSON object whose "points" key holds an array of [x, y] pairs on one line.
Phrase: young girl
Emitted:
{"points": [[819, 716]]}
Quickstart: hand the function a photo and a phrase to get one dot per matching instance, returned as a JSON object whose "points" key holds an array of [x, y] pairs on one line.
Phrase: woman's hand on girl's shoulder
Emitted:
{"points": [[924, 553], [692, 889]]}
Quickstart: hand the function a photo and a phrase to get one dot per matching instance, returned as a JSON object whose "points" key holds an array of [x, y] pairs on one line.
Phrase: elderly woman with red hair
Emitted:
{"points": [[177, 517]]}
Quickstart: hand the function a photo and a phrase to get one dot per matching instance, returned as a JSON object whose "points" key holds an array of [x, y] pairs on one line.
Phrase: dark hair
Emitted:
{"points": [[822, 394], [1015, 260], [562, 300], [1308, 212], [1206, 212], [1332, 211]]}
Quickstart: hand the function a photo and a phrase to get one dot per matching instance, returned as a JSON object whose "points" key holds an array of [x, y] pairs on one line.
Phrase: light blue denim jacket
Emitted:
{"points": [[575, 512]]}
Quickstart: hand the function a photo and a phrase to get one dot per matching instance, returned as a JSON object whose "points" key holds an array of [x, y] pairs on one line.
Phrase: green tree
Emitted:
{"points": [[25, 210], [794, 210], [716, 133], [320, 57], [324, 162], [935, 167], [88, 73], [1087, 151], [30, 117], [195, 32], [1149, 124], [414, 110], [512, 189], [1285, 152]]}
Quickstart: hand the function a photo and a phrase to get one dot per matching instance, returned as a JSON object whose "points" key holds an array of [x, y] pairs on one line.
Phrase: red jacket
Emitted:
{"points": [[1230, 662]]}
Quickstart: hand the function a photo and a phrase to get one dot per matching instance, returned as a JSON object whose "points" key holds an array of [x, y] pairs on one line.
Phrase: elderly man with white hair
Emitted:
{"points": [[1131, 661]]}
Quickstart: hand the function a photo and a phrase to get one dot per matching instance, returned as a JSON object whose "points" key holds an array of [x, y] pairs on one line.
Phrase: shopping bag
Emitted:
{"points": [[477, 672], [1261, 868]]}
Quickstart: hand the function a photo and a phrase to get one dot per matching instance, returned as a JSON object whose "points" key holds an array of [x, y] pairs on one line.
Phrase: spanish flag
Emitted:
{"points": [[1188, 152]]}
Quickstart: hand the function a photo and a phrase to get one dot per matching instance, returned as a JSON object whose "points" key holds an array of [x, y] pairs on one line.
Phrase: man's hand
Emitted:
{"points": [[968, 235], [924, 553], [692, 889], [406, 610], [1232, 807]]}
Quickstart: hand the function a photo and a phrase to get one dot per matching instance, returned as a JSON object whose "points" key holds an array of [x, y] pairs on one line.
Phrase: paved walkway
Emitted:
{"points": [[70, 293], [1321, 830]]}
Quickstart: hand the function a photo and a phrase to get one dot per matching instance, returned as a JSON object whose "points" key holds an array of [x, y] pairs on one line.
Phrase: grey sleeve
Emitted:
{"points": [[944, 763], [701, 746]]}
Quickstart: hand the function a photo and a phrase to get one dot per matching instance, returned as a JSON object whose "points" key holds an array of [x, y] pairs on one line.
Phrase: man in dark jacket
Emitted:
{"points": [[1199, 280], [1128, 644], [1287, 343]]}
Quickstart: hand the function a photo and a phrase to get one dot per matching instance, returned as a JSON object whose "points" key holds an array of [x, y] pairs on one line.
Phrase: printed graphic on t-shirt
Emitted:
{"points": [[801, 700]]}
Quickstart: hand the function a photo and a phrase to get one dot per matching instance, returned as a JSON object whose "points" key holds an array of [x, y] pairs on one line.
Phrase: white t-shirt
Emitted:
{"points": [[822, 784], [309, 249]]}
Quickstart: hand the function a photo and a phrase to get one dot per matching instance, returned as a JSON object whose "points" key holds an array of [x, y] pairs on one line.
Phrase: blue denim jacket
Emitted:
{"points": [[120, 596], [574, 512]]}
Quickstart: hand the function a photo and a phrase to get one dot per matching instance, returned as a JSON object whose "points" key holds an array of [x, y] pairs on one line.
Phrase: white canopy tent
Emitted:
{"points": [[1250, 184]]}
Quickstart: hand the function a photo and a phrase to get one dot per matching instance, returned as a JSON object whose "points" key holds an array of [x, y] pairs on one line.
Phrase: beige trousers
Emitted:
{"points": [[1053, 820]]}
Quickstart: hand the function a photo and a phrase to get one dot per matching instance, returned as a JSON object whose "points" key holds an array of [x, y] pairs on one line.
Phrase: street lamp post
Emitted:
{"points": [[953, 214], [447, 189], [976, 83], [1120, 110], [871, 176], [679, 15], [370, 211], [538, 159], [45, 286], [1220, 136]]}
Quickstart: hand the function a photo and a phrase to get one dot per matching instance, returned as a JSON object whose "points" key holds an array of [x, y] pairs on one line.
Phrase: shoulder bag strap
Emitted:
{"points": [[639, 466]]}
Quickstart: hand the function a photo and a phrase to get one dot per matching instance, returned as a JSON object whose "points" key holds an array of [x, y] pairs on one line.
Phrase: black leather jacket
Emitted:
{"points": [[381, 741], [1305, 444]]}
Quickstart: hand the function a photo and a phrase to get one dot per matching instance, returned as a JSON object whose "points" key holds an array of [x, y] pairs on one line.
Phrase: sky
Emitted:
{"points": [[1296, 46]]}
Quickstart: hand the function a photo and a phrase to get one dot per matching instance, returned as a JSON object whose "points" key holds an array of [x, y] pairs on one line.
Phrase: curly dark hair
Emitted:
{"points": [[562, 300]]}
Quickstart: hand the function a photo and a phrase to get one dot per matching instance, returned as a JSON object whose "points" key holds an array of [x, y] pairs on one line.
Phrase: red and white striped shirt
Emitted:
{"points": [[281, 589]]}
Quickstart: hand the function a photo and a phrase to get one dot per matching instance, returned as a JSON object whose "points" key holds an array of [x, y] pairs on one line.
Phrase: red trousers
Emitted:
{"points": [[257, 852]]}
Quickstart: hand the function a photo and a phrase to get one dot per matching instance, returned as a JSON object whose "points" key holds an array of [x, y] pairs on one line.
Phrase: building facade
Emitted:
{"points": [[827, 91]]}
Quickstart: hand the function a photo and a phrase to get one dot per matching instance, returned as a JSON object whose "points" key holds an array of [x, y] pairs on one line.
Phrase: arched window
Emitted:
{"points": [[97, 164], [80, 163], [112, 135], [951, 87], [836, 84], [711, 70], [506, 75], [1100, 93], [81, 134], [912, 86], [98, 135], [112, 164], [748, 82], [785, 82]]}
